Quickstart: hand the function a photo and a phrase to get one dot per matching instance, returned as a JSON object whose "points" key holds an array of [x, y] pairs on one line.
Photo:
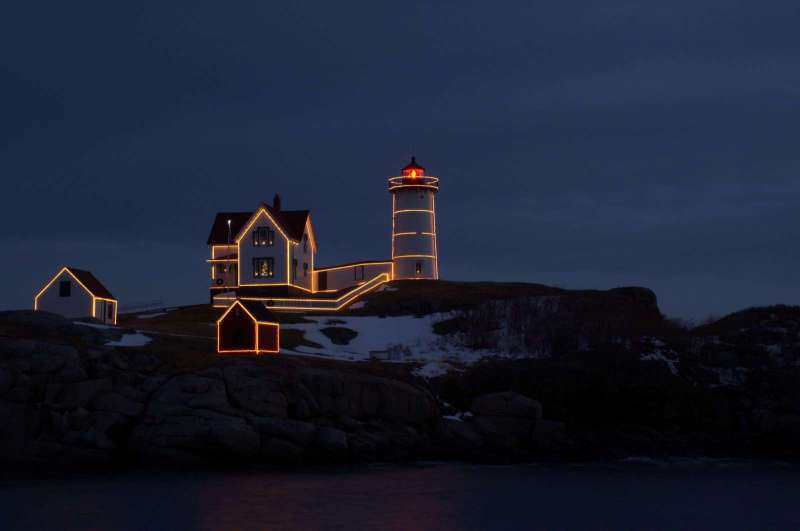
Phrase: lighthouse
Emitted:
{"points": [[414, 249]]}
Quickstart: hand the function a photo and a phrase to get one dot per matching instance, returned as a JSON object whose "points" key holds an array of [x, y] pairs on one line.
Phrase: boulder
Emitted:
{"points": [[380, 441], [203, 433], [256, 389], [117, 403], [507, 404], [459, 435], [279, 450], [331, 440], [548, 433], [296, 431], [363, 396], [192, 391], [504, 427], [77, 394]]}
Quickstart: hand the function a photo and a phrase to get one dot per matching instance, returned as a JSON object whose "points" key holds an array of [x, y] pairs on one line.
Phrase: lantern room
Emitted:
{"points": [[413, 175], [413, 169]]}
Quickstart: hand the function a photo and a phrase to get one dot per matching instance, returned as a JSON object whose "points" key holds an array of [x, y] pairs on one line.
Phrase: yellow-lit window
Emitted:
{"points": [[263, 267], [263, 237]]}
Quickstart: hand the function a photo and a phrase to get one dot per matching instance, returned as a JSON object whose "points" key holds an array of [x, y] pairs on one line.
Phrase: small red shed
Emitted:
{"points": [[247, 327]]}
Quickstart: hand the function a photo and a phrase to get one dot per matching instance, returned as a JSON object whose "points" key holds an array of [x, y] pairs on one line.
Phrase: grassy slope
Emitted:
{"points": [[186, 336]]}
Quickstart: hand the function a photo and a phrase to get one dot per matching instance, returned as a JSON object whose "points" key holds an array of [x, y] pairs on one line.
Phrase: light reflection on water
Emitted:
{"points": [[432, 496]]}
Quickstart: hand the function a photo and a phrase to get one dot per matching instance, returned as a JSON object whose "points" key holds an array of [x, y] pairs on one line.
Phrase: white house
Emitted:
{"points": [[269, 254], [75, 293]]}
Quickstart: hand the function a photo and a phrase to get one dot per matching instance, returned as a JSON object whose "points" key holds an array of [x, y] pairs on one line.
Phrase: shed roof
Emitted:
{"points": [[90, 282], [257, 310]]}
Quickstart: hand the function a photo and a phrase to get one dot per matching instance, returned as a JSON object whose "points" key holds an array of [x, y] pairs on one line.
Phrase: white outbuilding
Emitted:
{"points": [[75, 293]]}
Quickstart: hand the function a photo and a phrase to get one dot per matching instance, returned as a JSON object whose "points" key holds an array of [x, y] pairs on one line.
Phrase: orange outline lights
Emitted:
{"points": [[308, 228], [87, 290], [340, 302], [223, 249], [420, 181], [241, 235], [256, 324], [355, 264]]}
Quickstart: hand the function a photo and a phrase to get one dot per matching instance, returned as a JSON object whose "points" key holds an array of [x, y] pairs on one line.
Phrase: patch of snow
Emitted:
{"points": [[659, 356], [130, 340], [398, 339], [94, 325], [433, 369], [150, 315], [731, 376], [358, 305], [459, 416]]}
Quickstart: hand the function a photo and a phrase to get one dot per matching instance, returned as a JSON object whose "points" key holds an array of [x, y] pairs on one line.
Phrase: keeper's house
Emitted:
{"points": [[75, 293], [269, 255], [247, 327]]}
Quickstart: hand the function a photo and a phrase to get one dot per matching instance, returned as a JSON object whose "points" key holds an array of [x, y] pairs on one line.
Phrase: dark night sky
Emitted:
{"points": [[579, 144]]}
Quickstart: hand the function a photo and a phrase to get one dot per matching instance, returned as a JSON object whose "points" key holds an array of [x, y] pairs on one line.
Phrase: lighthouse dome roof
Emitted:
{"points": [[413, 166]]}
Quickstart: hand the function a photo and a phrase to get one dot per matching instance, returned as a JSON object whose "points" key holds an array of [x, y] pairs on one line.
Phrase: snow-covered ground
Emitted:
{"points": [[660, 353], [659, 356], [433, 369], [130, 340], [397, 339]]}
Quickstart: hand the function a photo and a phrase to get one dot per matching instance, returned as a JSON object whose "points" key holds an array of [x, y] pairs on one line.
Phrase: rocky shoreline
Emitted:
{"points": [[67, 399]]}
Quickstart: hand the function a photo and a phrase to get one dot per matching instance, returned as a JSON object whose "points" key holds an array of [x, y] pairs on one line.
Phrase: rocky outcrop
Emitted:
{"points": [[724, 389], [505, 425], [507, 404], [82, 403]]}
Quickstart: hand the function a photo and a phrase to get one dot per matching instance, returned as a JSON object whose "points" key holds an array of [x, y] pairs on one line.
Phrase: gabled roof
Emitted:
{"points": [[90, 282], [255, 309], [412, 166], [219, 229], [293, 223]]}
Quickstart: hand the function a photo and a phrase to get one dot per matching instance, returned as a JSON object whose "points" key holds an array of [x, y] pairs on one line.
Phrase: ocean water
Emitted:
{"points": [[637, 494]]}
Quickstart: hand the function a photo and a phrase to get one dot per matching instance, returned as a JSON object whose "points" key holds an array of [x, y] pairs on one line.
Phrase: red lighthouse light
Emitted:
{"points": [[413, 170]]}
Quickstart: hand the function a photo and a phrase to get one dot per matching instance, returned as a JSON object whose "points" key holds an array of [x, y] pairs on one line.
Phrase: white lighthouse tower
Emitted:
{"points": [[414, 250]]}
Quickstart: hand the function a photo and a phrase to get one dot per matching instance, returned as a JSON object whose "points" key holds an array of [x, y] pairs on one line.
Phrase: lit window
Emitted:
{"points": [[419, 268], [263, 237], [64, 288], [263, 267]]}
